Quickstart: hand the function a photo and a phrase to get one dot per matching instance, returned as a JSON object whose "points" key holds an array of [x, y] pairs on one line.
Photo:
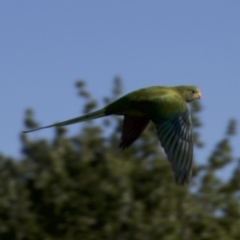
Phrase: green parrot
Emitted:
{"points": [[167, 108]]}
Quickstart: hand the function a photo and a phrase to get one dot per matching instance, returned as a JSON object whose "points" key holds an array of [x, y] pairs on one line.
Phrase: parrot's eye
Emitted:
{"points": [[193, 91]]}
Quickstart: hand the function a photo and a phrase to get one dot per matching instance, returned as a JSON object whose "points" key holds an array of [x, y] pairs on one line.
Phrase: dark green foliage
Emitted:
{"points": [[85, 187]]}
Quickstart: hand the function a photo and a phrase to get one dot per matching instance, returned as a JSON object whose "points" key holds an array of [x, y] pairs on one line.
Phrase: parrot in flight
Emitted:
{"points": [[167, 108]]}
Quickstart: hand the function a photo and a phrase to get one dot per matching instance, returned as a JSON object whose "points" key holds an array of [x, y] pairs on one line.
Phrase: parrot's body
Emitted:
{"points": [[167, 108]]}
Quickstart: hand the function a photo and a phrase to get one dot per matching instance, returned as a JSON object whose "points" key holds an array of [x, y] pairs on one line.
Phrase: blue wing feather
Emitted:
{"points": [[176, 139]]}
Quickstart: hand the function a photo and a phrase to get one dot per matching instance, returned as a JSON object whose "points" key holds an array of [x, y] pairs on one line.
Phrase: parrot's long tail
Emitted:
{"points": [[89, 116]]}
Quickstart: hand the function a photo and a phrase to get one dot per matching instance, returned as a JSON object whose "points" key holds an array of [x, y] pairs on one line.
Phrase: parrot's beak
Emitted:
{"points": [[199, 95]]}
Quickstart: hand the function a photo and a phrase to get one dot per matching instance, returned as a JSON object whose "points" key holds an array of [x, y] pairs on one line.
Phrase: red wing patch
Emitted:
{"points": [[133, 126]]}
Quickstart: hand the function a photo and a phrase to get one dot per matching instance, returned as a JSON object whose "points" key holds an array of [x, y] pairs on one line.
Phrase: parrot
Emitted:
{"points": [[167, 108]]}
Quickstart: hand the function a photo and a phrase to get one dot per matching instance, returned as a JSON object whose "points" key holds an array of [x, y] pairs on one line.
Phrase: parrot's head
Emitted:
{"points": [[189, 93]]}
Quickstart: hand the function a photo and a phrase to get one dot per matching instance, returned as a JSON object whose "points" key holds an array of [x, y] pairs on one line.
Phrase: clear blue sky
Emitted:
{"points": [[45, 46]]}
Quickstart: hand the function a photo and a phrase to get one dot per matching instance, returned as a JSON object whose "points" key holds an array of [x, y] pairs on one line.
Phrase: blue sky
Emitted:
{"points": [[45, 46]]}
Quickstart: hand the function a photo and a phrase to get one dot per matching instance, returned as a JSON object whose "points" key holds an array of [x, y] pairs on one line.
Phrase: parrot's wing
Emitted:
{"points": [[133, 126], [176, 139]]}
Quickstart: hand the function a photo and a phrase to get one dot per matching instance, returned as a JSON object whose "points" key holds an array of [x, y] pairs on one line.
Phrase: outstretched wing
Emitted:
{"points": [[176, 139], [133, 126]]}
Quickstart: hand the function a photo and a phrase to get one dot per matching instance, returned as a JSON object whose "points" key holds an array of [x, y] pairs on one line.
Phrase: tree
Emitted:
{"points": [[85, 187]]}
